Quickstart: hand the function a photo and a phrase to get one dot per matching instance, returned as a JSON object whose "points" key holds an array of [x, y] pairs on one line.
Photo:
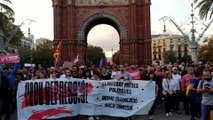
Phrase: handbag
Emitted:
{"points": [[164, 92], [211, 115]]}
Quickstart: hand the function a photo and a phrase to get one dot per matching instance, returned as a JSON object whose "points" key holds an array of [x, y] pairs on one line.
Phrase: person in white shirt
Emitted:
{"points": [[177, 78], [169, 89]]}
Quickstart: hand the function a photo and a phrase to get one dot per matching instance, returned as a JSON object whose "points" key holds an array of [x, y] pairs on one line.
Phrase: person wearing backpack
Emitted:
{"points": [[205, 87], [194, 97]]}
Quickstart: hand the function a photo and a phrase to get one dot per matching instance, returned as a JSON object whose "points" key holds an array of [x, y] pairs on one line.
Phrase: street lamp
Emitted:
{"points": [[192, 40]]}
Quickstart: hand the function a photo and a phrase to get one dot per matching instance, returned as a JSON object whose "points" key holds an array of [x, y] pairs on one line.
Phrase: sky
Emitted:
{"points": [[41, 12]]}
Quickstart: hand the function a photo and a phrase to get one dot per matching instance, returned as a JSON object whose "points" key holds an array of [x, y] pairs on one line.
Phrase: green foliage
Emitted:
{"points": [[116, 57], [25, 55], [169, 57], [205, 8], [7, 27], [186, 59], [6, 16], [43, 56], [95, 54], [205, 52]]}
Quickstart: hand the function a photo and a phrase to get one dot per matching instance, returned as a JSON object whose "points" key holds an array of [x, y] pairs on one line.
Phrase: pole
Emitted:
{"points": [[194, 44]]}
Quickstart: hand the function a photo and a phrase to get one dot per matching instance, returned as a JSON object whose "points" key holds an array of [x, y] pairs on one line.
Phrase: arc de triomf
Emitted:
{"points": [[73, 19]]}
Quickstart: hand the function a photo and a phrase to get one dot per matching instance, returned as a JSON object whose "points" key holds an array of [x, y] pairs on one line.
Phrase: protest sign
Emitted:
{"points": [[67, 64], [9, 59], [48, 98]]}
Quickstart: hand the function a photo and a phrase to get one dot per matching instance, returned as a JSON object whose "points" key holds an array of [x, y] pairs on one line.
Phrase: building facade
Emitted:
{"points": [[163, 43], [27, 43], [44, 42]]}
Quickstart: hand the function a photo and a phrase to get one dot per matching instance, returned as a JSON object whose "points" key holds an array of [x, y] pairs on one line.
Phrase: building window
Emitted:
{"points": [[159, 56], [155, 56], [171, 48], [185, 49], [179, 55], [164, 50], [179, 48]]}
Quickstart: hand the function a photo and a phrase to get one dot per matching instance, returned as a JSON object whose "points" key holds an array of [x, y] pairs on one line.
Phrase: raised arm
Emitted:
{"points": [[15, 69]]}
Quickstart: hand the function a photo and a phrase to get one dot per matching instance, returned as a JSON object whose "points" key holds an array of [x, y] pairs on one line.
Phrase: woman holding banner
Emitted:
{"points": [[96, 77], [152, 77]]}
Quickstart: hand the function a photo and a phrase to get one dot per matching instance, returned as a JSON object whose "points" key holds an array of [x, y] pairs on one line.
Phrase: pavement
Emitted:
{"points": [[159, 114]]}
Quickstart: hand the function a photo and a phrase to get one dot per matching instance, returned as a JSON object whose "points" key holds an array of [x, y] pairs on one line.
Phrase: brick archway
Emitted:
{"points": [[101, 18], [73, 19]]}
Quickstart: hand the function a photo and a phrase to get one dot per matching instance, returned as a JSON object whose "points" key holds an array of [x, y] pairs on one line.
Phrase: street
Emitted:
{"points": [[159, 114]]}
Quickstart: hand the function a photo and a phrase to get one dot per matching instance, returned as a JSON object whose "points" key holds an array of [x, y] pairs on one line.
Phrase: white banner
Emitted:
{"points": [[48, 98]]}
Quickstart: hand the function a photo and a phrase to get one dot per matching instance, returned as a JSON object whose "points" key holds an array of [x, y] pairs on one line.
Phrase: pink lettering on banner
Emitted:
{"points": [[9, 59], [135, 74]]}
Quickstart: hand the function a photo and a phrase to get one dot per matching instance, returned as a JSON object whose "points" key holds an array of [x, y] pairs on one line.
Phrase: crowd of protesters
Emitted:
{"points": [[192, 85]]}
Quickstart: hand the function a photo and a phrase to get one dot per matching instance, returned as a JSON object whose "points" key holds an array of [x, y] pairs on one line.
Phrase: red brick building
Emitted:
{"points": [[73, 19]]}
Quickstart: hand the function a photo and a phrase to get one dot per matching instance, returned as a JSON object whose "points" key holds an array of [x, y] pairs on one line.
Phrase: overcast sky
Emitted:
{"points": [[42, 12]]}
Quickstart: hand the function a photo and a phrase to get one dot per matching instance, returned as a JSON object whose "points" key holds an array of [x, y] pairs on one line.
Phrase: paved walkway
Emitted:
{"points": [[159, 115]]}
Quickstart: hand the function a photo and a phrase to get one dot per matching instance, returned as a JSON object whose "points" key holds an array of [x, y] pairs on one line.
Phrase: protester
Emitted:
{"points": [[8, 80], [177, 78], [153, 78], [96, 77], [184, 83], [123, 75], [169, 88], [205, 87], [159, 78], [104, 74], [194, 97]]}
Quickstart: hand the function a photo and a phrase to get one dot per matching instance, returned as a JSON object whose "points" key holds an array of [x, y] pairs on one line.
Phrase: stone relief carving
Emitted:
{"points": [[55, 2], [69, 2], [100, 2]]}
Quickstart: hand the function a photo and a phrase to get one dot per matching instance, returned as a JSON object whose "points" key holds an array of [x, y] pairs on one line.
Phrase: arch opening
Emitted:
{"points": [[105, 36]]}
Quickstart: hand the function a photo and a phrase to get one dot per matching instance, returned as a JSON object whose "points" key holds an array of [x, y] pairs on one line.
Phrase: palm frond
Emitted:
{"points": [[7, 8], [7, 1], [205, 8]]}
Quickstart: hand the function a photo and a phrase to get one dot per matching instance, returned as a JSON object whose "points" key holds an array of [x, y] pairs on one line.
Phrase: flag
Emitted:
{"points": [[57, 53], [76, 60], [103, 62]]}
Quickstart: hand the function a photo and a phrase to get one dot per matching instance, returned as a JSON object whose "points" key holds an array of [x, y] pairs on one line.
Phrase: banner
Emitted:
{"points": [[48, 98], [9, 59], [135, 74]]}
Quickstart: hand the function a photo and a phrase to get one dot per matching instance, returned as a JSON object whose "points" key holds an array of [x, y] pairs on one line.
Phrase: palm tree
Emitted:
{"points": [[6, 14], [205, 8]]}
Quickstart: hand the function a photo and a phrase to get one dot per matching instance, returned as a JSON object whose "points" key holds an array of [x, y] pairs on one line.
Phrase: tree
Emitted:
{"points": [[116, 57], [185, 59], [205, 52], [169, 57], [25, 55], [7, 27], [95, 54], [205, 8], [43, 56], [5, 15]]}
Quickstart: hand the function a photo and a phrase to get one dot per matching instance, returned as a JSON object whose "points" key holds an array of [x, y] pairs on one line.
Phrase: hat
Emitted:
{"points": [[174, 68]]}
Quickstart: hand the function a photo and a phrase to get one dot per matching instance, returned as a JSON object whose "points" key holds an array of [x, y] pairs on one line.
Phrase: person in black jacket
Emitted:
{"points": [[5, 95]]}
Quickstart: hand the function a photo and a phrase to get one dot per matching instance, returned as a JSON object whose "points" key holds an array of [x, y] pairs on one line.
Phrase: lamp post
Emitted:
{"points": [[192, 40]]}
